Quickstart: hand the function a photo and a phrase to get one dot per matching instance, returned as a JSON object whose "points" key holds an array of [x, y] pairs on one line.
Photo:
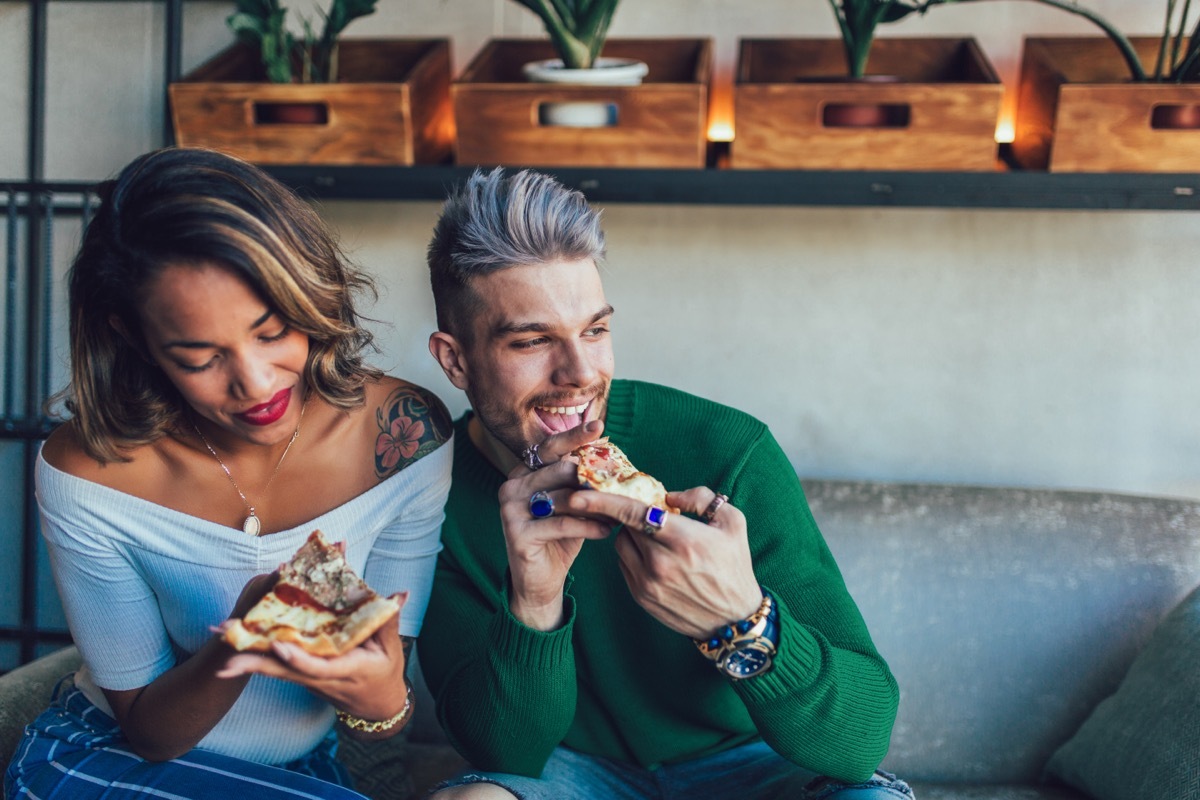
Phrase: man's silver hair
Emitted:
{"points": [[495, 221]]}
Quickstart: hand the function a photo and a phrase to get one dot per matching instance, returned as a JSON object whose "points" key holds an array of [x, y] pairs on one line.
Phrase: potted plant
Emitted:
{"points": [[1081, 108], [309, 97], [518, 104], [926, 104], [313, 59]]}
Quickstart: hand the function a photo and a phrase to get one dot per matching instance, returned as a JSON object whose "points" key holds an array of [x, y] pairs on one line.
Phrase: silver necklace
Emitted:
{"points": [[252, 524]]}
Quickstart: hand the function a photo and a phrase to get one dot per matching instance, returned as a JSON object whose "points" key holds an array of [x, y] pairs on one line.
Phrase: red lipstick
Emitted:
{"points": [[269, 412]]}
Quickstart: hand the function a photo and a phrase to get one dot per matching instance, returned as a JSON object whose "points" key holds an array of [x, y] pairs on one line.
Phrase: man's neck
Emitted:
{"points": [[496, 453]]}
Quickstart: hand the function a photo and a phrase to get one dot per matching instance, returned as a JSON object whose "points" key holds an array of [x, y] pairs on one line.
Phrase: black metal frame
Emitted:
{"points": [[38, 202]]}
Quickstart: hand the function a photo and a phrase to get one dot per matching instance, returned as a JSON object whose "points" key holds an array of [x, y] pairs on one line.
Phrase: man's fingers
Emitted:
{"points": [[555, 528], [705, 504], [525, 483], [558, 445], [553, 448], [624, 510]]}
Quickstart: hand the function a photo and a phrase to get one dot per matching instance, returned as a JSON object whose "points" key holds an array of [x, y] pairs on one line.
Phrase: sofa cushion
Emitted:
{"points": [[1143, 742], [991, 791], [1006, 615]]}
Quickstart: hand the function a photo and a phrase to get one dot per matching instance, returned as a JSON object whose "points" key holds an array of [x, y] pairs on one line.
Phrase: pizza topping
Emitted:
{"points": [[318, 603], [602, 466]]}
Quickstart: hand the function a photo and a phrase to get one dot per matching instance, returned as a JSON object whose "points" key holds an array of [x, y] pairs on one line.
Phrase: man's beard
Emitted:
{"points": [[507, 424]]}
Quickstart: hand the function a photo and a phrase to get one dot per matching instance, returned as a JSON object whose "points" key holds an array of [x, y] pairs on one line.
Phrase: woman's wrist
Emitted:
{"points": [[398, 720]]}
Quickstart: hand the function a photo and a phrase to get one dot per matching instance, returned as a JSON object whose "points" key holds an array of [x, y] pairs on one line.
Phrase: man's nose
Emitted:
{"points": [[576, 367]]}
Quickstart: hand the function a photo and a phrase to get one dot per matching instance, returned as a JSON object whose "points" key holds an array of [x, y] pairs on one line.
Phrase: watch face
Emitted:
{"points": [[747, 662]]}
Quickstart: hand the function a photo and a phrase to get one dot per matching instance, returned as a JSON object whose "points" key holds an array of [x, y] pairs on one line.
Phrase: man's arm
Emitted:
{"points": [[829, 701], [505, 692]]}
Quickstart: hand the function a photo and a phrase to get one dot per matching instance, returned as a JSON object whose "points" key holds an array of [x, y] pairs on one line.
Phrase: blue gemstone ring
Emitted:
{"points": [[541, 505], [655, 519]]}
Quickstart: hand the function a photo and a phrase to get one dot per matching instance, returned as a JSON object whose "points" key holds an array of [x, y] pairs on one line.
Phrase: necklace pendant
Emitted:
{"points": [[253, 525]]}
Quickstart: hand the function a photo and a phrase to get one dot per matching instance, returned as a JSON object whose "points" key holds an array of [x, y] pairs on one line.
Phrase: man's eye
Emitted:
{"points": [[599, 330], [277, 336], [526, 344]]}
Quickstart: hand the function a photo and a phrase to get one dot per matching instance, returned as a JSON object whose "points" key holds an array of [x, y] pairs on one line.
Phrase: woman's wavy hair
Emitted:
{"points": [[194, 207]]}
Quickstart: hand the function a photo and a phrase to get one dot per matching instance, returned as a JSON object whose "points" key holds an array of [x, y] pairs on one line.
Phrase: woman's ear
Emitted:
{"points": [[447, 351]]}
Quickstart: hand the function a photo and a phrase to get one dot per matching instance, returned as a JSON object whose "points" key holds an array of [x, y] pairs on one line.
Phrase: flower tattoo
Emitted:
{"points": [[412, 424]]}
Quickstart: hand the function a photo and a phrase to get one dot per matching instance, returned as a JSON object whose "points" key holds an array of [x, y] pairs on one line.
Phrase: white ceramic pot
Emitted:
{"points": [[584, 114]]}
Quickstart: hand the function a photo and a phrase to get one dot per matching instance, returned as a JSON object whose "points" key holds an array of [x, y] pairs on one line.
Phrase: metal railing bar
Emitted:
{"points": [[47, 299], [10, 313]]}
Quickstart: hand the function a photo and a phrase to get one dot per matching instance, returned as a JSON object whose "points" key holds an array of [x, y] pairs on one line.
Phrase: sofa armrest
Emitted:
{"points": [[25, 693]]}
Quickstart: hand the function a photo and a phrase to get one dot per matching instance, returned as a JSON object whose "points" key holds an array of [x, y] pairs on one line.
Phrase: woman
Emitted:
{"points": [[221, 410]]}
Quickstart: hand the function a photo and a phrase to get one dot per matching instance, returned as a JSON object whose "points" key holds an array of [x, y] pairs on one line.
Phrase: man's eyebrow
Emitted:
{"points": [[193, 345], [505, 328]]}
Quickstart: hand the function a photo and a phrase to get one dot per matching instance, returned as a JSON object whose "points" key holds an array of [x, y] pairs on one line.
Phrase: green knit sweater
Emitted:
{"points": [[613, 681]]}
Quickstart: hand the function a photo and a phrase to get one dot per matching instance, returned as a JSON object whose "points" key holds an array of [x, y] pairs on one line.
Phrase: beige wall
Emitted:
{"points": [[1007, 347]]}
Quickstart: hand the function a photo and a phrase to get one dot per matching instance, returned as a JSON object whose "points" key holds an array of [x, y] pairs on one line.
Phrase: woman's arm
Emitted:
{"points": [[169, 716]]}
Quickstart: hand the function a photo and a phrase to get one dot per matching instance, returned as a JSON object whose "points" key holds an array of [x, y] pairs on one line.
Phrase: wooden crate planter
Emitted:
{"points": [[1078, 110], [391, 105], [661, 123], [941, 103]]}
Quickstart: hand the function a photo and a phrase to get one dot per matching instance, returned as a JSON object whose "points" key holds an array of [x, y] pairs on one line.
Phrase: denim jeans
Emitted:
{"points": [[749, 772]]}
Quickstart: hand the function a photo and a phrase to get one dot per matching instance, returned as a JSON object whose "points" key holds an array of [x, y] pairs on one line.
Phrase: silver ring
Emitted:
{"points": [[541, 505], [710, 513], [655, 519], [531, 458]]}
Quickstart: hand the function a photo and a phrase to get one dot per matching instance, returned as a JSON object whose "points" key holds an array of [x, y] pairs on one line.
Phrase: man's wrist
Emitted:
{"points": [[745, 648], [541, 617]]}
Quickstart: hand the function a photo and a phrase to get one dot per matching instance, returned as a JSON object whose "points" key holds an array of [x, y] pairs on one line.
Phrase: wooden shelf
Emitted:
{"points": [[716, 186]]}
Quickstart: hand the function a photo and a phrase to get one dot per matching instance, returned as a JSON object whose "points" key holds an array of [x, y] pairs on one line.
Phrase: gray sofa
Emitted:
{"points": [[1006, 615]]}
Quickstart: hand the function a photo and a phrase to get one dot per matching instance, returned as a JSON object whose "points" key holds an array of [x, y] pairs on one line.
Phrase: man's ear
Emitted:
{"points": [[449, 354]]}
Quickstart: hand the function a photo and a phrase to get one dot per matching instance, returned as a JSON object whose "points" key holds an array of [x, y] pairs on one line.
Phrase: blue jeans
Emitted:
{"points": [[749, 772]]}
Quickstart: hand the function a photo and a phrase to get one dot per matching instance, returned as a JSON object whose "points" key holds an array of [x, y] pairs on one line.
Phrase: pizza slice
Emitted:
{"points": [[318, 603], [605, 468]]}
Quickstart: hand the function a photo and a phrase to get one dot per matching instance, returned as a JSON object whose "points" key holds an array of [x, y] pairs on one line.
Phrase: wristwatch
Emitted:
{"points": [[745, 648]]}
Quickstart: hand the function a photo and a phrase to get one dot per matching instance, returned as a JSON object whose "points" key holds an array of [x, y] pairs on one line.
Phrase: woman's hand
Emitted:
{"points": [[542, 550], [367, 682], [691, 576]]}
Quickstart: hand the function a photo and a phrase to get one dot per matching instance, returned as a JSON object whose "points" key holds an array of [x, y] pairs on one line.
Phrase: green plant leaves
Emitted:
{"points": [[577, 28], [265, 22]]}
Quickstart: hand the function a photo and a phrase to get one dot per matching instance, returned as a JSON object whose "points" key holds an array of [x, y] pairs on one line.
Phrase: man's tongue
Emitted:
{"points": [[557, 423]]}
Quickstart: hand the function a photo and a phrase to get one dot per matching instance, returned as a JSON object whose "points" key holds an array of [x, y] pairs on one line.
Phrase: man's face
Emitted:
{"points": [[541, 358]]}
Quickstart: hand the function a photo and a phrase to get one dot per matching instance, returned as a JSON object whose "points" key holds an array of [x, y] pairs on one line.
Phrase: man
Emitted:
{"points": [[569, 658]]}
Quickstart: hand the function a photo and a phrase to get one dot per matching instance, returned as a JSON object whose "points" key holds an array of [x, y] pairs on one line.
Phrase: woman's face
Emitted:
{"points": [[234, 360]]}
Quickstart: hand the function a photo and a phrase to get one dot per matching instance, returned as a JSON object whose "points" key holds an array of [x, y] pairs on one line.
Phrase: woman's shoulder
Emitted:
{"points": [[64, 450], [408, 423]]}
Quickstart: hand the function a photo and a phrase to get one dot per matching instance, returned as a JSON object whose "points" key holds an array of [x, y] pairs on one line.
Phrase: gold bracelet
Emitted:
{"points": [[716, 645], [377, 726]]}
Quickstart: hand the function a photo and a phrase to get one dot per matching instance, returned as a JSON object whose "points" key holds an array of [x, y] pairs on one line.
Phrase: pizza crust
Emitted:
{"points": [[319, 603]]}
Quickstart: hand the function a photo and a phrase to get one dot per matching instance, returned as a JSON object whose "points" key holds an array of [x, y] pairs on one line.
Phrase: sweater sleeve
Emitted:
{"points": [[505, 692], [830, 700]]}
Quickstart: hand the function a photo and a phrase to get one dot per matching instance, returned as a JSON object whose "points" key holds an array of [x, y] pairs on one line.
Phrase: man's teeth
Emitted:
{"points": [[564, 409]]}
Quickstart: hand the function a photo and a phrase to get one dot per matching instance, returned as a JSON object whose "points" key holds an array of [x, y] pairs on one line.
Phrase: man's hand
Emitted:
{"points": [[691, 576], [541, 551]]}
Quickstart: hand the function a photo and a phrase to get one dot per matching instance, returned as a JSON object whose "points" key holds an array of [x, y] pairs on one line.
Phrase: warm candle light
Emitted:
{"points": [[1005, 126], [720, 130]]}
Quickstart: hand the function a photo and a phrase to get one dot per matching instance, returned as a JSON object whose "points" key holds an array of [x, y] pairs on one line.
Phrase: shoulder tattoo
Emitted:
{"points": [[412, 423]]}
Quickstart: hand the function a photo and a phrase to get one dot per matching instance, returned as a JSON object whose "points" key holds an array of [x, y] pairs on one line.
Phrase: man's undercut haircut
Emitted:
{"points": [[495, 221]]}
